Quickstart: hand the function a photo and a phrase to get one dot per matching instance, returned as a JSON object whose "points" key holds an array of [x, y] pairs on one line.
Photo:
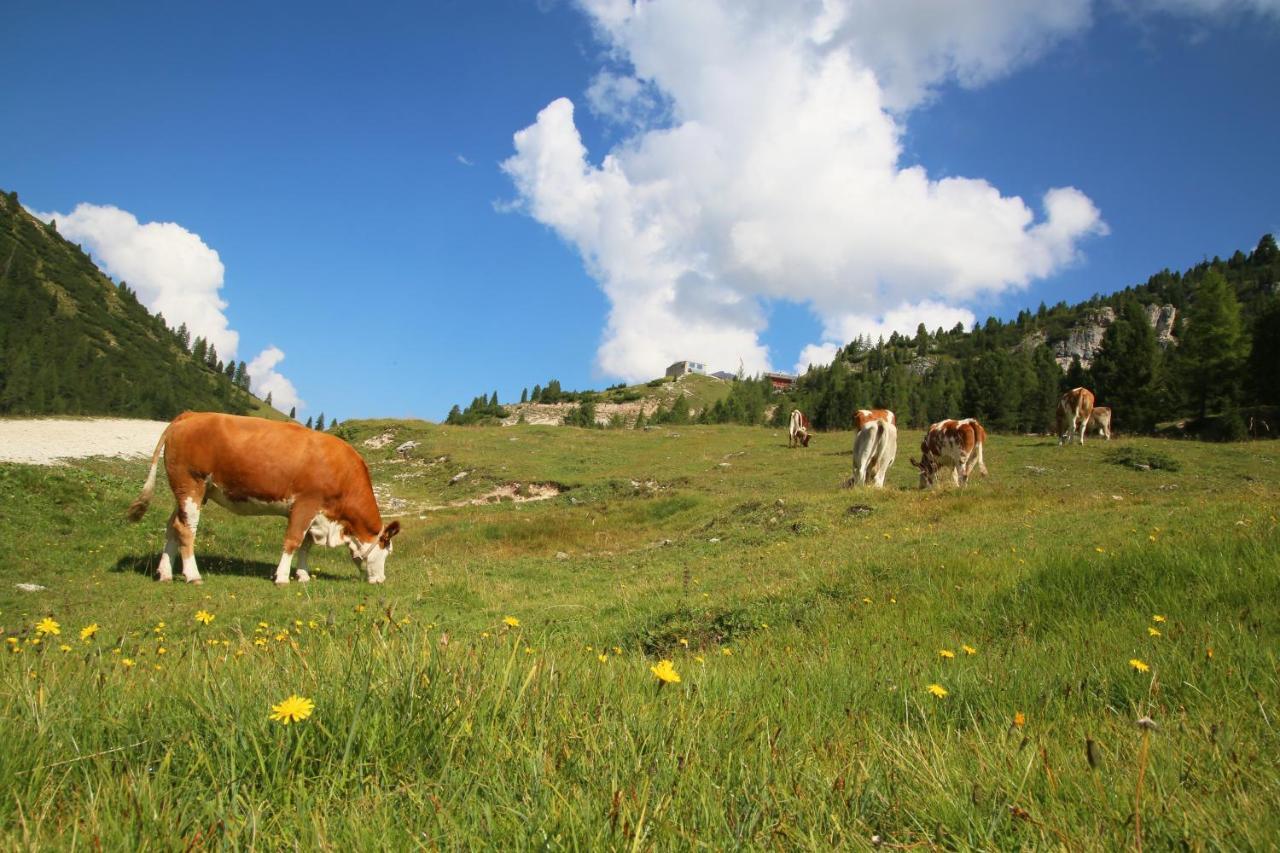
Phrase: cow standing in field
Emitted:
{"points": [[1074, 410], [875, 446], [798, 429], [1101, 421], [951, 444], [253, 466]]}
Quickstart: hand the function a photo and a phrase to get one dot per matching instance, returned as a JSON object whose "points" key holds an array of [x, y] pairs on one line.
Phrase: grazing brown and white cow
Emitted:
{"points": [[862, 417], [1074, 410], [1101, 421], [798, 430], [951, 444], [874, 449], [253, 466]]}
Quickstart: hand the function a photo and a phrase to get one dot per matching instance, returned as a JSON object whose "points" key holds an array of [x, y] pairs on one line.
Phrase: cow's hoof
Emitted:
{"points": [[195, 581], [282, 583], [164, 580], [303, 577]]}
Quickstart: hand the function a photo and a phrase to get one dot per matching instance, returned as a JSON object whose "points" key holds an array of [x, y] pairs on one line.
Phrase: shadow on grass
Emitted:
{"points": [[213, 565]]}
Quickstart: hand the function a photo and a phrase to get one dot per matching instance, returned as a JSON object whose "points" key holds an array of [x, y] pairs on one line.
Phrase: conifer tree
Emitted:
{"points": [[1214, 346], [1125, 369], [320, 422], [309, 426], [293, 413]]}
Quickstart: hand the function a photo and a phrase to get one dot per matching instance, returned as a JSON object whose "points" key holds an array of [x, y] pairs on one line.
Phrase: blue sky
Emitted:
{"points": [[347, 169]]}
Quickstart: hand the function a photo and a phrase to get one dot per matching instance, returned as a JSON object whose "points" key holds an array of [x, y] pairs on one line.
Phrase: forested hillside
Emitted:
{"points": [[1200, 348], [74, 342]]}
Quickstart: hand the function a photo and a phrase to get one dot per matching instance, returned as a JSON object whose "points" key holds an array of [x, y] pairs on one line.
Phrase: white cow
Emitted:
{"points": [[798, 429], [874, 449]]}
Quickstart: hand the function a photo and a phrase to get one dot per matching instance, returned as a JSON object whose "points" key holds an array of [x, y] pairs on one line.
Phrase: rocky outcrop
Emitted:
{"points": [[1085, 338]]}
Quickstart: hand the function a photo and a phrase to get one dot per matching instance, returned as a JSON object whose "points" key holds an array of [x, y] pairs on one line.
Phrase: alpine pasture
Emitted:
{"points": [[844, 667]]}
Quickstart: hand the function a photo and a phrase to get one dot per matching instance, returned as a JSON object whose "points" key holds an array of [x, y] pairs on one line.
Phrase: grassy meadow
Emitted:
{"points": [[953, 669]]}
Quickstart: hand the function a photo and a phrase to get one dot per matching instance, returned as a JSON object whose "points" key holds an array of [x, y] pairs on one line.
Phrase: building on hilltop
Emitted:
{"points": [[680, 368], [780, 381]]}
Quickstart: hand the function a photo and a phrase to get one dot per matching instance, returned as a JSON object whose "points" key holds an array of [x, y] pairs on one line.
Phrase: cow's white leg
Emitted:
{"points": [[1083, 429], [188, 523], [303, 550], [164, 572], [282, 570]]}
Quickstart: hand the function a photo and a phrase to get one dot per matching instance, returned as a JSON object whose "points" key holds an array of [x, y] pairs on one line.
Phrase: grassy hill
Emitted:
{"points": [[498, 690], [74, 342]]}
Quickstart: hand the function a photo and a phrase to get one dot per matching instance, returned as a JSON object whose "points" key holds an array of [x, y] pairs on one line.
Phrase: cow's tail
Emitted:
{"points": [[138, 508], [982, 466]]}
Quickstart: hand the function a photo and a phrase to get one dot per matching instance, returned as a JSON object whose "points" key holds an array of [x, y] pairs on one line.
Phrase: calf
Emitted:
{"points": [[1101, 421], [798, 429], [1074, 410], [253, 466], [951, 444], [874, 449]]}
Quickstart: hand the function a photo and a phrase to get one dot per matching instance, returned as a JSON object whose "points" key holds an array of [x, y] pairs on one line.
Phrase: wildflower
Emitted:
{"points": [[617, 650], [239, 653], [938, 690], [1139, 665], [484, 635], [969, 650], [64, 648], [528, 650], [866, 601], [127, 663], [159, 628], [602, 657], [665, 672], [1155, 632], [263, 625], [162, 651], [359, 608], [13, 641], [511, 622], [297, 623], [946, 654], [260, 642], [48, 626], [893, 600], [1208, 653], [684, 642], [312, 624], [282, 636], [699, 659], [1100, 550], [1157, 618], [204, 617], [35, 641], [726, 651], [1019, 719], [292, 710]]}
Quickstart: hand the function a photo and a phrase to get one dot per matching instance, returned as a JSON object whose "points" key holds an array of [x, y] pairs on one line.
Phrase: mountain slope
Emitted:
{"points": [[74, 342]]}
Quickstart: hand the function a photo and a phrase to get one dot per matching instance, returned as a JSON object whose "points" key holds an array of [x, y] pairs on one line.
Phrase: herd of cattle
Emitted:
{"points": [[949, 444], [322, 485]]}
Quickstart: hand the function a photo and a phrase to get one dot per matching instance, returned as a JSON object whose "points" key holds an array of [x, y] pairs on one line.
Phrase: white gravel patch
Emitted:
{"points": [[50, 441]]}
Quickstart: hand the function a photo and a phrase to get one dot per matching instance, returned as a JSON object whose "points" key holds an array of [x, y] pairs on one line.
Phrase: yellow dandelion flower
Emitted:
{"points": [[665, 672], [292, 710], [484, 635], [1139, 665], [1019, 719], [64, 648], [204, 617], [699, 659], [239, 653], [946, 654], [312, 624], [13, 641], [1157, 618], [35, 641], [969, 650], [1100, 550], [260, 641], [162, 651], [938, 690], [1155, 632], [528, 650], [48, 626], [116, 650], [127, 663], [282, 636], [617, 650], [726, 651], [511, 622], [684, 642], [866, 601], [359, 608], [893, 600], [602, 657], [263, 625], [1208, 653]]}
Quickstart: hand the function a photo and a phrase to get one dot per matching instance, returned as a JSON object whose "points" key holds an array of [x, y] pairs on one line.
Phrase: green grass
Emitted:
{"points": [[812, 618]]}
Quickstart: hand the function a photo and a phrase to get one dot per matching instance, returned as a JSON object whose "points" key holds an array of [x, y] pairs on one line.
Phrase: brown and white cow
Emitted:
{"points": [[798, 429], [1100, 420], [951, 444], [1074, 410], [254, 466], [874, 448]]}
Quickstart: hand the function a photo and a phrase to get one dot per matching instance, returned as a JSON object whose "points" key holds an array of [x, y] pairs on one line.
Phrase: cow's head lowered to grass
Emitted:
{"points": [[373, 555]]}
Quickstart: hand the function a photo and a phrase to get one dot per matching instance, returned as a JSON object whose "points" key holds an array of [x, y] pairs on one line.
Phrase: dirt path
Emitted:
{"points": [[48, 441]]}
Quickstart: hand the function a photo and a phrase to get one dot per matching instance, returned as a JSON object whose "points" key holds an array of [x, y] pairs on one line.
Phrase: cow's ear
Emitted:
{"points": [[387, 532]]}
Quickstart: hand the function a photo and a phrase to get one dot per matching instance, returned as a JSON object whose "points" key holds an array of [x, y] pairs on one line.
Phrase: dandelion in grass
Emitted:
{"points": [[602, 657], [946, 654], [969, 650], [699, 659], [511, 622], [1208, 653], [1140, 666], [684, 642], [528, 650], [1155, 632], [665, 672], [295, 709], [1157, 618], [359, 608], [128, 663], [87, 632], [1019, 719], [48, 626], [938, 690], [64, 648], [866, 601], [260, 641], [726, 651], [12, 641], [204, 617]]}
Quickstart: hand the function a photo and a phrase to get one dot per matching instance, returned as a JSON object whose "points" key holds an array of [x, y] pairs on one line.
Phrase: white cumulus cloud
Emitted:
{"points": [[173, 272], [773, 171], [266, 380]]}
